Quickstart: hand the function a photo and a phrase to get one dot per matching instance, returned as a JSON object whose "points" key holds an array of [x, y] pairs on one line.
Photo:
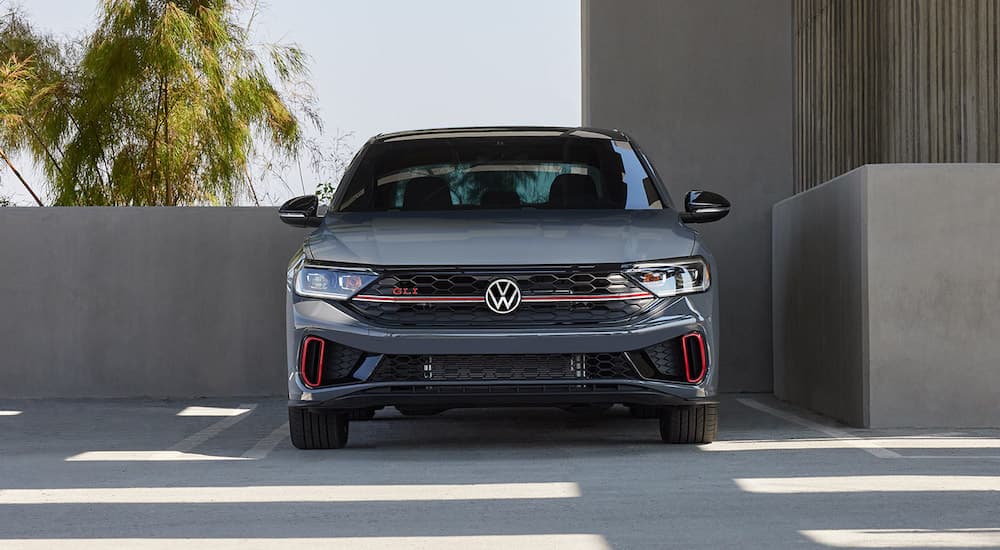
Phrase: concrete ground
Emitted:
{"points": [[222, 474]]}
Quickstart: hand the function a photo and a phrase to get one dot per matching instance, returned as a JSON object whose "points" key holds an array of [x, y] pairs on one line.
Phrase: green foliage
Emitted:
{"points": [[325, 191], [32, 94], [165, 103]]}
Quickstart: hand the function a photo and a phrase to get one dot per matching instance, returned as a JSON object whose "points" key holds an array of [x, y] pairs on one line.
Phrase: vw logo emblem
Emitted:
{"points": [[503, 296]]}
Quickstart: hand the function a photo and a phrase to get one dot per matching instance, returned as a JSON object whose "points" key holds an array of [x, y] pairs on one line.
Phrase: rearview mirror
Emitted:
{"points": [[703, 207], [301, 211]]}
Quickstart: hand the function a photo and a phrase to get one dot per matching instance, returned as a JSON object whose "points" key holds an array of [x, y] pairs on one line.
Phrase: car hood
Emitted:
{"points": [[520, 237]]}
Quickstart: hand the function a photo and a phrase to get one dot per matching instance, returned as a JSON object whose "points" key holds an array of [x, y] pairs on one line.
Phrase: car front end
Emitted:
{"points": [[430, 309]]}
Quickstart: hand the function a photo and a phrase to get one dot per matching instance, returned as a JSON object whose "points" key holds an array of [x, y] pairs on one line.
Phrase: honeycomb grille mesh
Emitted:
{"points": [[466, 368], [339, 362], [667, 358], [533, 283]]}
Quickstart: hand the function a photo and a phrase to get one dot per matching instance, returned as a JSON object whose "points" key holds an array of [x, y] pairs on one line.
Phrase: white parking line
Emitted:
{"points": [[193, 440], [868, 484], [851, 440], [10, 413], [210, 411], [290, 493], [905, 538], [268, 443], [947, 443], [948, 457], [481, 542], [145, 456]]}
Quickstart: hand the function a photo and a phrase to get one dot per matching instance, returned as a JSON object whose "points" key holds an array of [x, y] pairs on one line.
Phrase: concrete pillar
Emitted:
{"points": [[706, 88]]}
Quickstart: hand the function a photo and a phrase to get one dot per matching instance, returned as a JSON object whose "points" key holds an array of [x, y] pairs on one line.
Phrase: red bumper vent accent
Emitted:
{"points": [[311, 365], [695, 358]]}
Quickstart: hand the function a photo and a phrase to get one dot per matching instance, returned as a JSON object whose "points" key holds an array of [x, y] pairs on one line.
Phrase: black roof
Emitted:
{"points": [[513, 131]]}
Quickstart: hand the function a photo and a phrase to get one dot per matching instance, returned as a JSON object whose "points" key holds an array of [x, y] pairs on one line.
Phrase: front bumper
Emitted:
{"points": [[692, 313], [507, 394]]}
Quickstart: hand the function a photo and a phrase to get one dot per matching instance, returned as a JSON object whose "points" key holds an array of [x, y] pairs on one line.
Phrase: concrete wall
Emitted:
{"points": [[116, 302], [819, 292], [706, 88], [934, 295], [910, 255]]}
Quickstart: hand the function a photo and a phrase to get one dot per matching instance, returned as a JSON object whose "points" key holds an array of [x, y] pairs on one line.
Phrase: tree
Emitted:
{"points": [[329, 160], [165, 103], [31, 89]]}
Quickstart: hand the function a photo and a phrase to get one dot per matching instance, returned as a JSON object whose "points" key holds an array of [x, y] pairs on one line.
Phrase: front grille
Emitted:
{"points": [[597, 288], [520, 367], [531, 282]]}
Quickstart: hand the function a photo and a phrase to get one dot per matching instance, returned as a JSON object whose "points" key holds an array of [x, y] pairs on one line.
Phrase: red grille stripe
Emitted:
{"points": [[480, 299], [421, 299], [587, 298]]}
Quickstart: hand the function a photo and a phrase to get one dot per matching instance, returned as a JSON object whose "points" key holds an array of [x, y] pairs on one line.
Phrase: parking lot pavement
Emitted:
{"points": [[222, 474]]}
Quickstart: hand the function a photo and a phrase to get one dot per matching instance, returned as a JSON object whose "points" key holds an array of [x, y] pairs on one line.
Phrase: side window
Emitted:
{"points": [[652, 197], [662, 194], [642, 193]]}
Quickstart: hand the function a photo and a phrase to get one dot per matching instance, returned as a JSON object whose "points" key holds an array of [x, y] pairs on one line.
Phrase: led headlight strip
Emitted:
{"points": [[671, 278], [331, 283]]}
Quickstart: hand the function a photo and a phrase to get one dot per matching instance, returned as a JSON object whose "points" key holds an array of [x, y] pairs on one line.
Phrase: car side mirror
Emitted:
{"points": [[301, 211], [704, 207]]}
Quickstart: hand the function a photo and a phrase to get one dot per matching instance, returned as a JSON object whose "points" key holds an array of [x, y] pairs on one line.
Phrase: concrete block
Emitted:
{"points": [[129, 302], [886, 290]]}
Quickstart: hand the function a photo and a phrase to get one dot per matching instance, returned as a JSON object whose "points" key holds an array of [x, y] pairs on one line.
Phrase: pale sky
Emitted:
{"points": [[387, 65]]}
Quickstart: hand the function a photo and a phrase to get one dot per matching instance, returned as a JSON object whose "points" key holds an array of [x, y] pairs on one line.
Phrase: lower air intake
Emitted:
{"points": [[519, 367], [682, 359], [326, 363]]}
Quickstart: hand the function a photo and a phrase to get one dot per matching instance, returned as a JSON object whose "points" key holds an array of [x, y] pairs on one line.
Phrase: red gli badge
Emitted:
{"points": [[404, 291]]}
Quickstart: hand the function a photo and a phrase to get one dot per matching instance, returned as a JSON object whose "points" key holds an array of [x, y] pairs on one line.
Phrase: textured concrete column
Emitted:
{"points": [[706, 88], [893, 81]]}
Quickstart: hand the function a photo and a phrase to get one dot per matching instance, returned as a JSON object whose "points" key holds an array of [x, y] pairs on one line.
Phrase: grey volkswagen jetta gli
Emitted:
{"points": [[487, 267]]}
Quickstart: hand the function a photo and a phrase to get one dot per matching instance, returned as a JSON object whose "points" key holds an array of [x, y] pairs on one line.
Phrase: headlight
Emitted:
{"points": [[672, 277], [331, 283]]}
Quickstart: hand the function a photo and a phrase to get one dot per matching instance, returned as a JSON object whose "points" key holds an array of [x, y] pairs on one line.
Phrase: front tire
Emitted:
{"points": [[690, 424], [316, 429]]}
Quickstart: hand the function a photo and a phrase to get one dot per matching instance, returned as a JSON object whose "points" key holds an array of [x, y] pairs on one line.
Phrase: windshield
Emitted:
{"points": [[499, 173]]}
